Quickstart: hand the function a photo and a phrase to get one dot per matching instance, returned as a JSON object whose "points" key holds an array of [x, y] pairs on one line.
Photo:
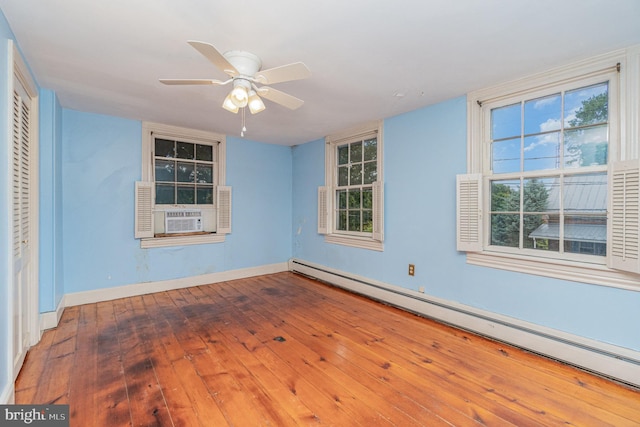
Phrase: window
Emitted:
{"points": [[182, 198], [541, 152], [350, 204]]}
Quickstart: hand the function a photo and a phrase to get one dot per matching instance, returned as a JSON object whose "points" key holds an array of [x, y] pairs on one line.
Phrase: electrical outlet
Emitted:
{"points": [[421, 289], [412, 270]]}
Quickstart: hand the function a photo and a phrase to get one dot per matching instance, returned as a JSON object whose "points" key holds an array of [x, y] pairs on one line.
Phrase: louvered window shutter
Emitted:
{"points": [[469, 214], [323, 213], [378, 211], [143, 210], [624, 251], [224, 210]]}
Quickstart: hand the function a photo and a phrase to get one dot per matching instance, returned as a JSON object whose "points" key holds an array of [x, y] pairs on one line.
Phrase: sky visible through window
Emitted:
{"points": [[529, 136]]}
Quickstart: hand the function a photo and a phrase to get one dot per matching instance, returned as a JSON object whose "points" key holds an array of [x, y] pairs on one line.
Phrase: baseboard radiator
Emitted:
{"points": [[617, 363]]}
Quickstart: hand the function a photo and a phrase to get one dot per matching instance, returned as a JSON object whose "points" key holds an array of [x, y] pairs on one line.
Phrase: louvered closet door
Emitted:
{"points": [[21, 214]]}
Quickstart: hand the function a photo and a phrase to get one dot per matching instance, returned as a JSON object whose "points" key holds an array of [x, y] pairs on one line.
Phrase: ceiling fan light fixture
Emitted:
{"points": [[240, 93], [229, 105], [255, 103]]}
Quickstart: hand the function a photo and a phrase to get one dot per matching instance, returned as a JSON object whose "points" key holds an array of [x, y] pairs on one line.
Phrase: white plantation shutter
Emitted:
{"points": [[378, 211], [143, 210], [323, 210], [624, 251], [224, 209], [469, 213]]}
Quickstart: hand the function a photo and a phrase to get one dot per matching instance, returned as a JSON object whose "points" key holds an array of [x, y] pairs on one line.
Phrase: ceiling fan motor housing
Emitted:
{"points": [[246, 63]]}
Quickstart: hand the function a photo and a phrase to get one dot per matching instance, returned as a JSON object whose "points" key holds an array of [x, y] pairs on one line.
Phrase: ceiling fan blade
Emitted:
{"points": [[213, 55], [284, 73], [281, 98], [192, 82]]}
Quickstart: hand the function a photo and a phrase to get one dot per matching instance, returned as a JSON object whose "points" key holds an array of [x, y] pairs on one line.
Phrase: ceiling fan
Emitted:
{"points": [[244, 71]]}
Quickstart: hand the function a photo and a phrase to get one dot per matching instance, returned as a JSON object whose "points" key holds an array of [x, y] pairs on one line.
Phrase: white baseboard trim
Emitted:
{"points": [[8, 397], [108, 294], [50, 319], [619, 363]]}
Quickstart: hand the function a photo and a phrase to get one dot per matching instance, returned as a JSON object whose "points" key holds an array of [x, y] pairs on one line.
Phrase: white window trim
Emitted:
{"points": [[625, 147], [148, 128], [376, 241]]}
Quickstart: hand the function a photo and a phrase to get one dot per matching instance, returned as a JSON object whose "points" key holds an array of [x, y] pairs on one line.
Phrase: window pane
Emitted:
{"points": [[355, 174], [342, 221], [541, 232], [505, 156], [542, 152], [165, 170], [343, 176], [354, 199], [204, 152], [343, 154], [370, 172], [586, 147], [585, 194], [186, 172], [367, 198], [505, 196], [356, 152], [587, 105], [342, 199], [506, 122], [186, 195], [185, 150], [165, 194], [370, 149], [505, 230], [164, 148], [354, 221], [585, 235], [541, 195], [542, 114], [205, 195], [204, 173], [367, 221]]}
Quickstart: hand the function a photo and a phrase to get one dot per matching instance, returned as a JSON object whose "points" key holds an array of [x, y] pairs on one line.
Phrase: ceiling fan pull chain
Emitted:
{"points": [[244, 128]]}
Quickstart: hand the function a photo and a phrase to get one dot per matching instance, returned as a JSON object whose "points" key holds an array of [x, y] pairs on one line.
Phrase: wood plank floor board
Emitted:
{"points": [[296, 391], [243, 398], [516, 376], [351, 341], [245, 348], [111, 398], [305, 363], [35, 364], [206, 356], [171, 325], [146, 401]]}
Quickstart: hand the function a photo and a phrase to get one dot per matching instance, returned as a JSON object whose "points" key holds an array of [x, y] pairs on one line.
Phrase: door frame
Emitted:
{"points": [[20, 71]]}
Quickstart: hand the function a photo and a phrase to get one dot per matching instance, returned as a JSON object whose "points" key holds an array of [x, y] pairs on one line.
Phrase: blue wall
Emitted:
{"points": [[50, 200], [423, 152], [101, 161]]}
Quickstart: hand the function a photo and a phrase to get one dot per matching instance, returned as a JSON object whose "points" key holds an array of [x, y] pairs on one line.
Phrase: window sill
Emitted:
{"points": [[182, 240], [595, 274], [355, 242]]}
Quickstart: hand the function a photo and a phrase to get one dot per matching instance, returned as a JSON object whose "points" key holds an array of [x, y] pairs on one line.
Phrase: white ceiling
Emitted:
{"points": [[369, 59]]}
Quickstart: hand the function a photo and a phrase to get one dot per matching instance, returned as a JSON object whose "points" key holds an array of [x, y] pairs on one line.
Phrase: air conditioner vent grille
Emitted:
{"points": [[183, 221]]}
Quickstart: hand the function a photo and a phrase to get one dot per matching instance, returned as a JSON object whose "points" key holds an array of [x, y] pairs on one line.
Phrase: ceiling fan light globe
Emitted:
{"points": [[255, 103], [239, 96], [229, 105]]}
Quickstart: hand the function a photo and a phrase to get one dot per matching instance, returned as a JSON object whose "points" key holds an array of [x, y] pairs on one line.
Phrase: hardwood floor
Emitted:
{"points": [[284, 350]]}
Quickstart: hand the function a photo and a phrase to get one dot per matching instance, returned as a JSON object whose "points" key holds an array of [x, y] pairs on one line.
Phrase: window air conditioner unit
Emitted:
{"points": [[182, 221]]}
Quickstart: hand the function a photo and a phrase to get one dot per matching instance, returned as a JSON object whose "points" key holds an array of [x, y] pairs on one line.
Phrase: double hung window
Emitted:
{"points": [[551, 189], [350, 204], [182, 198]]}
